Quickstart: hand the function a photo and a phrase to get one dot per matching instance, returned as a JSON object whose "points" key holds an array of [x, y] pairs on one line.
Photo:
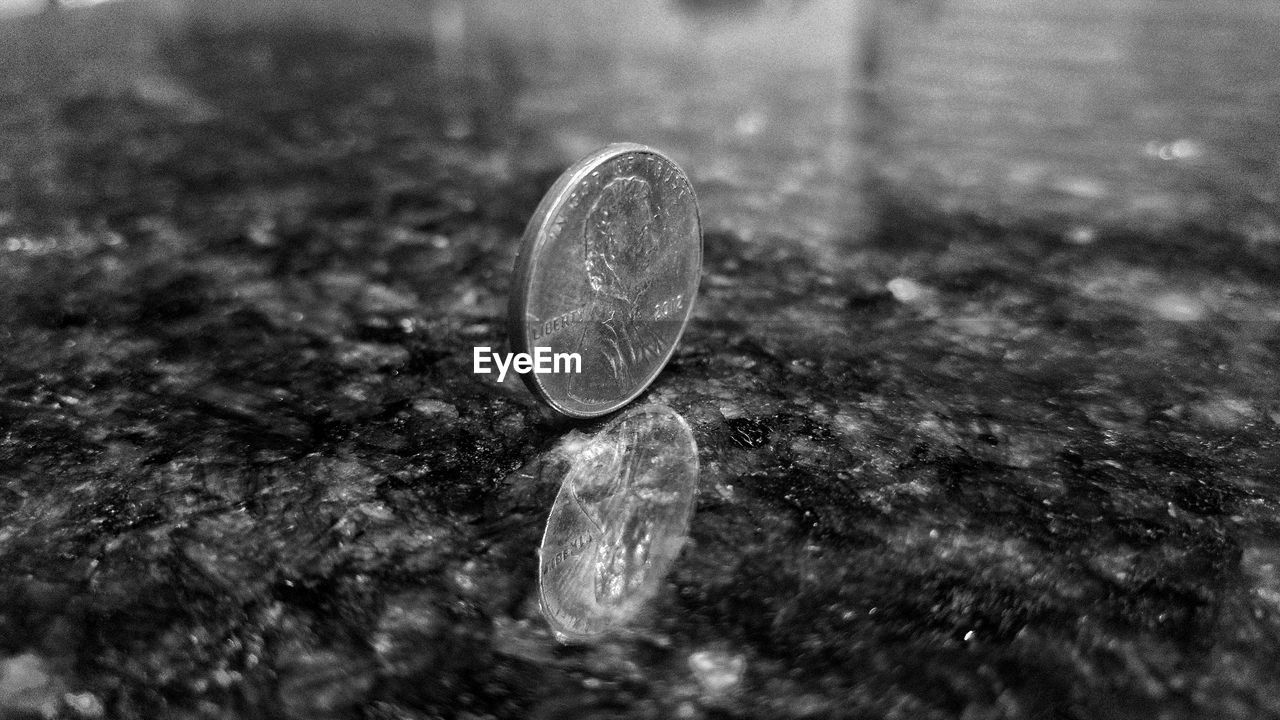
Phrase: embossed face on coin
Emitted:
{"points": [[618, 522], [608, 269]]}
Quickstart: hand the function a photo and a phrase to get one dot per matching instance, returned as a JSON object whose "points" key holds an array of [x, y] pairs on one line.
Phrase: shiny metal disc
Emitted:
{"points": [[609, 270]]}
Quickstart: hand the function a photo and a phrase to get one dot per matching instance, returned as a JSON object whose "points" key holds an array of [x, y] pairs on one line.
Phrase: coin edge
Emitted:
{"points": [[534, 237]]}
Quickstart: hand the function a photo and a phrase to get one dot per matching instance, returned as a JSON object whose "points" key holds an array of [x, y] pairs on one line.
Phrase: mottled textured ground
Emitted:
{"points": [[984, 385]]}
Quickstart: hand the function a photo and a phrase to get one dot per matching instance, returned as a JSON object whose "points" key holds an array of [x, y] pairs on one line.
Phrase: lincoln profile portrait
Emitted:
{"points": [[621, 243]]}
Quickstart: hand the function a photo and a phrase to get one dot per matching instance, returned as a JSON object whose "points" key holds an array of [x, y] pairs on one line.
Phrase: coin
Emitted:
{"points": [[608, 269], [618, 521]]}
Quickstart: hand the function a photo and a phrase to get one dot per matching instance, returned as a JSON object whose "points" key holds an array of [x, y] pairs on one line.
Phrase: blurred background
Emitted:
{"points": [[1136, 111]]}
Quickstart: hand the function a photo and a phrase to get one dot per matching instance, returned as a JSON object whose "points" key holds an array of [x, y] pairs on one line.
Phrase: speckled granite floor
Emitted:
{"points": [[982, 375]]}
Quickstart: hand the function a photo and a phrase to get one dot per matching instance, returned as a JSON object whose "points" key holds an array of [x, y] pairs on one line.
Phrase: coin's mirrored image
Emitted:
{"points": [[608, 270], [618, 522]]}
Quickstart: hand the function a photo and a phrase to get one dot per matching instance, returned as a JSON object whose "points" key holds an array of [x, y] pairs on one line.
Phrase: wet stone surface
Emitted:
{"points": [[960, 457]]}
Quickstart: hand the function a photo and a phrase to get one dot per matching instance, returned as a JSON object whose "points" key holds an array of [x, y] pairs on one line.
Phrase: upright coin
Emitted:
{"points": [[608, 270], [618, 522]]}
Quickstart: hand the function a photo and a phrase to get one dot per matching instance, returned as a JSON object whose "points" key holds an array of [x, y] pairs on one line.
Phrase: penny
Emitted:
{"points": [[618, 521], [608, 268]]}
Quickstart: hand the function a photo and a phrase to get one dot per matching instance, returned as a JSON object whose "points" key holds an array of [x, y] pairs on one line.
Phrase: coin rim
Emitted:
{"points": [[535, 238]]}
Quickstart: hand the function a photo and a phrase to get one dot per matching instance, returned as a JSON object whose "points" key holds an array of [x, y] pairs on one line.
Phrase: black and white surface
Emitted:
{"points": [[982, 373]]}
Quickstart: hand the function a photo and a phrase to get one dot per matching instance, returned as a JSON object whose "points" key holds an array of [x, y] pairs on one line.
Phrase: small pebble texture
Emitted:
{"points": [[983, 370]]}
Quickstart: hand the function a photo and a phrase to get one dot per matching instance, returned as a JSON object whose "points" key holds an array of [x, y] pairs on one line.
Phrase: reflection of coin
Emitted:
{"points": [[618, 522], [608, 269]]}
